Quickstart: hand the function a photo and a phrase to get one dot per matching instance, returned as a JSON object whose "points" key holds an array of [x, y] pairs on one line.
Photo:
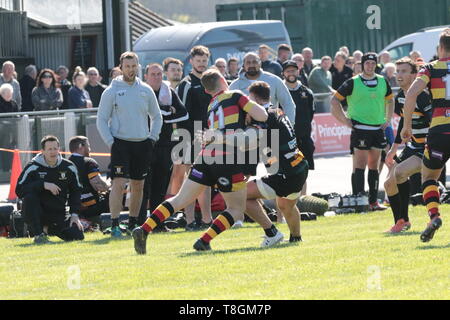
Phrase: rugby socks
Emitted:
{"points": [[431, 197], [132, 221], [359, 180], [223, 222], [115, 223], [161, 213], [353, 185], [404, 189], [373, 178], [295, 239], [396, 205], [271, 232]]}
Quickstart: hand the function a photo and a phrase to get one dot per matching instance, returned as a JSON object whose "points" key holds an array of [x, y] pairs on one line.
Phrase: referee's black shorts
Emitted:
{"points": [[368, 139], [130, 160]]}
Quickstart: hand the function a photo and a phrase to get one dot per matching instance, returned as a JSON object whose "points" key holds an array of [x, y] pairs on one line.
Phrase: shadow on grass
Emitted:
{"points": [[107, 239], [51, 243], [247, 249], [401, 234], [428, 247]]}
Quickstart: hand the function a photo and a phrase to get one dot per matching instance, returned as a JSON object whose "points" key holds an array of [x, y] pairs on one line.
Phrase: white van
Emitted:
{"points": [[425, 40]]}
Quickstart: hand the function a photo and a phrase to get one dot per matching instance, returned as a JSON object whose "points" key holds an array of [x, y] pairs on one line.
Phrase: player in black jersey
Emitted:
{"points": [[409, 162], [286, 184]]}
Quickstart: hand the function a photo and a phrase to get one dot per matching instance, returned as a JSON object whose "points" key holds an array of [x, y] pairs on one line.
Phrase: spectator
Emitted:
{"points": [[95, 193], [357, 68], [45, 95], [44, 200], [279, 94], [173, 112], [233, 69], [413, 55], [221, 65], [7, 76], [320, 81], [94, 87], [173, 70], [357, 55], [389, 74], [345, 50], [78, 96], [308, 55], [63, 72], [266, 64], [27, 83], [300, 61], [350, 62], [385, 57], [114, 73], [304, 103], [7, 104], [339, 71], [284, 53]]}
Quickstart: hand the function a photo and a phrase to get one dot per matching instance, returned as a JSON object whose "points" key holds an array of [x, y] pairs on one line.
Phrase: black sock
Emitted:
{"points": [[404, 195], [132, 221], [353, 185], [295, 239], [373, 178], [359, 180], [115, 223], [396, 205], [271, 232]]}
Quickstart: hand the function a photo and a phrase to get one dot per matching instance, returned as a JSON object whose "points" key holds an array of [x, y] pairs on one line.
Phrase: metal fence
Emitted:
{"points": [[14, 30]]}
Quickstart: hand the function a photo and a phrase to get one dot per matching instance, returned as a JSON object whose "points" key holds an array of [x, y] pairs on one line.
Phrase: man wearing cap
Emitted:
{"points": [[370, 108], [304, 103]]}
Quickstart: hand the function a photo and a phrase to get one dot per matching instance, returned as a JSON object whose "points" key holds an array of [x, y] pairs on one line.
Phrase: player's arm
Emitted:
{"points": [[99, 184], [410, 104], [255, 110]]}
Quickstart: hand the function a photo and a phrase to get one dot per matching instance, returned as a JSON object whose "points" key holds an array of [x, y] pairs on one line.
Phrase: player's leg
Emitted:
{"points": [[373, 177], [292, 215], [204, 200], [360, 162]]}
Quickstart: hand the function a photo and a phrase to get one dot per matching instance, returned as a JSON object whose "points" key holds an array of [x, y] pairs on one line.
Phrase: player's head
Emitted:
{"points": [[80, 145], [259, 91], [213, 81], [369, 62], [444, 44], [406, 72]]}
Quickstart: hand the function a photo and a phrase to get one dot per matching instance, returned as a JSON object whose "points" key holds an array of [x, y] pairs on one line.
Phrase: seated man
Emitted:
{"points": [[44, 185], [93, 202], [286, 184]]}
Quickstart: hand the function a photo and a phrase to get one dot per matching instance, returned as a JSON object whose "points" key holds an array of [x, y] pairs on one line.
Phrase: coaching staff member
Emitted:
{"points": [[122, 122], [370, 108], [44, 185]]}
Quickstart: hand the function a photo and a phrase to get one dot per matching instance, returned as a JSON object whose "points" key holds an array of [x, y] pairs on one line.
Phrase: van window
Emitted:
{"points": [[400, 51], [147, 57], [246, 34]]}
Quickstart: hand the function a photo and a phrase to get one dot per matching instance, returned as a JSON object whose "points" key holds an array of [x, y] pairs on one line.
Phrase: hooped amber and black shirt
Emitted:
{"points": [[436, 75]]}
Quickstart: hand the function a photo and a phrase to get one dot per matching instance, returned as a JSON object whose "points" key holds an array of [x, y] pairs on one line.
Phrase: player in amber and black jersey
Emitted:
{"points": [[436, 77], [226, 113], [409, 162]]}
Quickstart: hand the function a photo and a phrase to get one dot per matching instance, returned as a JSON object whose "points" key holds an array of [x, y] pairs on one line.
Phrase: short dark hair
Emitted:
{"points": [[260, 89], [76, 142], [409, 62], [170, 60], [151, 65], [285, 47], [48, 138], [232, 59], [444, 39], [199, 51], [128, 55]]}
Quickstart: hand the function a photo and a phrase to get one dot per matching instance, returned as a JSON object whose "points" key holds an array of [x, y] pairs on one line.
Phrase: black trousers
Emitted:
{"points": [[37, 215], [157, 180], [102, 206]]}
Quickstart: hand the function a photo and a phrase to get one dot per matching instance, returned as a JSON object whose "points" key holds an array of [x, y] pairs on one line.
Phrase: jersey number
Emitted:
{"points": [[446, 79], [220, 116]]}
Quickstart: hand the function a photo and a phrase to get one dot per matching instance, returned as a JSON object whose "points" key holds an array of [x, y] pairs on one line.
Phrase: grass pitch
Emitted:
{"points": [[342, 257]]}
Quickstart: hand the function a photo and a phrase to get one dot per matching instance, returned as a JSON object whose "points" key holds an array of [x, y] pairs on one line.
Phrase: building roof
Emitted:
{"points": [[143, 20]]}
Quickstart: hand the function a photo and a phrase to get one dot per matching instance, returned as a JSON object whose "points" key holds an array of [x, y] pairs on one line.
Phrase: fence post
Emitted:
{"points": [[70, 128], [24, 138]]}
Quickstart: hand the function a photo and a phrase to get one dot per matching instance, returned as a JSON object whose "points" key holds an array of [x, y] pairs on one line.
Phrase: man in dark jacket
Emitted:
{"points": [[266, 64], [65, 85], [94, 87], [27, 83], [44, 185]]}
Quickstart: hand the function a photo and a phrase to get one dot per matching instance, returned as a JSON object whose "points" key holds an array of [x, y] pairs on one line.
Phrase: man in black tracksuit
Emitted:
{"points": [[44, 185]]}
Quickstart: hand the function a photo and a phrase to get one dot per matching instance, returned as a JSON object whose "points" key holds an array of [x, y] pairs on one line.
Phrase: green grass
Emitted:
{"points": [[342, 257]]}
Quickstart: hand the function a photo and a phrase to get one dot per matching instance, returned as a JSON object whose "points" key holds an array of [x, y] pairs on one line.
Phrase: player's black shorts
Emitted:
{"points": [[407, 153], [284, 186], [227, 177], [368, 139], [306, 146], [437, 151], [130, 160]]}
